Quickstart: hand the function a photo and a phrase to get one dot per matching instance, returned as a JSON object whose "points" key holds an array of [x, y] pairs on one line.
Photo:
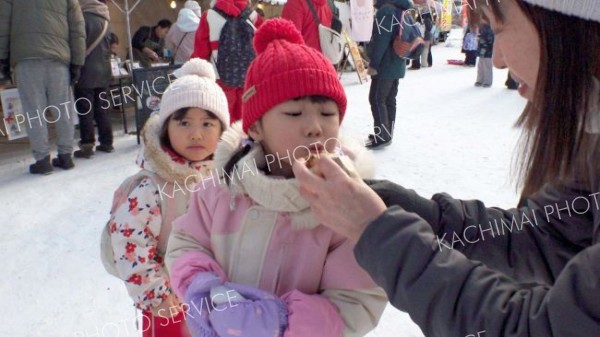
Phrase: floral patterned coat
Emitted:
{"points": [[140, 227]]}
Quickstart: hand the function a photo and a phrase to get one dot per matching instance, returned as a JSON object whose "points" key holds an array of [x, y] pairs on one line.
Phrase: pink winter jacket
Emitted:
{"points": [[261, 232]]}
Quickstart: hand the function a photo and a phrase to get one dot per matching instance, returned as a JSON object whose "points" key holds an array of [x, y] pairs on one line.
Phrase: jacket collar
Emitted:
{"points": [[275, 193]]}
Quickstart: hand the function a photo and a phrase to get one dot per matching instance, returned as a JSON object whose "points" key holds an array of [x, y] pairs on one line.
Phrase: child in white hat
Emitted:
{"points": [[179, 142]]}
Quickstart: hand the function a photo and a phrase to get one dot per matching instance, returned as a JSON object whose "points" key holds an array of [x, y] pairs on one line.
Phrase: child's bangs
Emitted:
{"points": [[179, 114], [182, 113], [315, 99]]}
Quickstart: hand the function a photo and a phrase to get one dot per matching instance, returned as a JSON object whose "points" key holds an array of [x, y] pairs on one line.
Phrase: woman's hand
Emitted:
{"points": [[346, 205]]}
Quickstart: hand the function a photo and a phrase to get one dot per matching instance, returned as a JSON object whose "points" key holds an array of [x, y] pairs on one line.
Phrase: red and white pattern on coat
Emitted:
{"points": [[134, 230]]}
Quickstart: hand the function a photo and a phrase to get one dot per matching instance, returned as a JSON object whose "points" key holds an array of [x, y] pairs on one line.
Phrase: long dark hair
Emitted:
{"points": [[554, 122], [237, 156]]}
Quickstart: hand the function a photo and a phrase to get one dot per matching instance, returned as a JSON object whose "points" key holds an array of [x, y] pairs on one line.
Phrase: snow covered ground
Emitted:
{"points": [[450, 136]]}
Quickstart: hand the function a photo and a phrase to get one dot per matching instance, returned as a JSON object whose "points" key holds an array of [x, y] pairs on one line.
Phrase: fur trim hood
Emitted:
{"points": [[277, 194], [154, 158]]}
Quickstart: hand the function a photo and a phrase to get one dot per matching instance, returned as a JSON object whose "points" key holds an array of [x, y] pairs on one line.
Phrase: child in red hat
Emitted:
{"points": [[249, 250]]}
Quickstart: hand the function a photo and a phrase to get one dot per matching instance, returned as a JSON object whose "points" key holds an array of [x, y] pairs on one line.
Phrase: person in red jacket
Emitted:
{"points": [[298, 11], [206, 45]]}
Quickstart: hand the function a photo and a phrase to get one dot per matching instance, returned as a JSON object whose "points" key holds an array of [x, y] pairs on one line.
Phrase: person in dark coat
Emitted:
{"points": [[95, 79], [460, 268], [485, 71], [385, 68], [148, 42]]}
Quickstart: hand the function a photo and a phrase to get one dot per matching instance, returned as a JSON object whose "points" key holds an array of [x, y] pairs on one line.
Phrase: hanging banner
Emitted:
{"points": [[362, 15]]}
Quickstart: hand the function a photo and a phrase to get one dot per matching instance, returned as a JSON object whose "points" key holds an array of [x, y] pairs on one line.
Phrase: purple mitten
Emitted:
{"points": [[259, 314], [197, 297]]}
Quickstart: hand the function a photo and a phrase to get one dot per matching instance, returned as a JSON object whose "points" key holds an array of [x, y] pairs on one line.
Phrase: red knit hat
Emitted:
{"points": [[285, 68]]}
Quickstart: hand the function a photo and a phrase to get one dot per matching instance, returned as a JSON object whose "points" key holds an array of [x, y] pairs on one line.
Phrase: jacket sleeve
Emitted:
{"points": [[91, 32], [140, 37], [202, 39], [188, 251], [76, 33], [350, 303], [554, 224], [169, 40], [135, 227], [5, 22], [447, 294]]}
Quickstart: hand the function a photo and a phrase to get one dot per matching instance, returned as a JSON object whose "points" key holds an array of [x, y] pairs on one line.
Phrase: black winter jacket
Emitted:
{"points": [[460, 268], [385, 28], [96, 72]]}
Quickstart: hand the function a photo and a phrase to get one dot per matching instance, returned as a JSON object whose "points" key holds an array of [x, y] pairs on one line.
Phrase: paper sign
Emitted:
{"points": [[14, 116], [357, 59]]}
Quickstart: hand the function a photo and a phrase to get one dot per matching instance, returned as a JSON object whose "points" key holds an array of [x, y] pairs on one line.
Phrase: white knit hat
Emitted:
{"points": [[194, 6], [195, 87], [585, 9]]}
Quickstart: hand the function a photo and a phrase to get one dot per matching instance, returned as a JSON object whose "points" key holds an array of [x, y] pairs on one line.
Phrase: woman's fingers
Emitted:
{"points": [[330, 170], [327, 169], [308, 180], [344, 204]]}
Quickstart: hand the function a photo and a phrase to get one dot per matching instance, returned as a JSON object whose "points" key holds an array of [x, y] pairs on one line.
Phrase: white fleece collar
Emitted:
{"points": [[277, 194]]}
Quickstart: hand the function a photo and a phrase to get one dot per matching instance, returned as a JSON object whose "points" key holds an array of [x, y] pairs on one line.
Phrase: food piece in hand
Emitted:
{"points": [[343, 161]]}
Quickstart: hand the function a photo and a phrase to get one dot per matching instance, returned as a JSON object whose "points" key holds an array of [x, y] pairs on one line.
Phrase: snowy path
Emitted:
{"points": [[450, 136]]}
